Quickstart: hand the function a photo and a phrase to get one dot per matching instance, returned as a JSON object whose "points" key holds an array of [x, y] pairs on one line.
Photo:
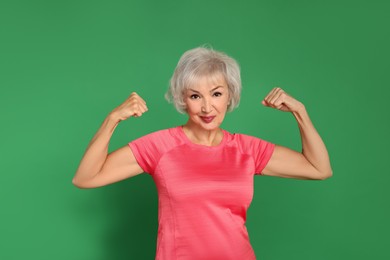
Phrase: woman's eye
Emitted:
{"points": [[217, 94], [194, 96]]}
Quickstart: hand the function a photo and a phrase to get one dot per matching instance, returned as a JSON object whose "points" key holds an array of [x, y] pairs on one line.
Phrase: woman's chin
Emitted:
{"points": [[210, 126], [204, 124]]}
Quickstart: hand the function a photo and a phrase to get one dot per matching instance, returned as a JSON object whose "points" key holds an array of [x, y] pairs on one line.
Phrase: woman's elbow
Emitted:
{"points": [[76, 183], [325, 175], [79, 184]]}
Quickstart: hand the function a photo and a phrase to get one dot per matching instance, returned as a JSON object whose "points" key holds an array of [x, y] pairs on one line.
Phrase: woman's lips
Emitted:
{"points": [[207, 119]]}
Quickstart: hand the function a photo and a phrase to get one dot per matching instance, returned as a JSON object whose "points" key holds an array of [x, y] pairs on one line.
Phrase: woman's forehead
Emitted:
{"points": [[208, 80]]}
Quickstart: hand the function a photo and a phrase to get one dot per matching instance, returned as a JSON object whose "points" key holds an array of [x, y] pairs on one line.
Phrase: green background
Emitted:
{"points": [[66, 64]]}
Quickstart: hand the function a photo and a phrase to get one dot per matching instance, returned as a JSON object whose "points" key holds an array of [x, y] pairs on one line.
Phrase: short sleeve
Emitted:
{"points": [[147, 151], [262, 154], [260, 150]]}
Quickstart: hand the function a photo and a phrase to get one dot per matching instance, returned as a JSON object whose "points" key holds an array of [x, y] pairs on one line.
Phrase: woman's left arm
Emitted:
{"points": [[313, 162]]}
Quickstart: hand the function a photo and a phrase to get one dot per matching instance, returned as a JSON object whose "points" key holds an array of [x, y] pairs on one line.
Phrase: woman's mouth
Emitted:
{"points": [[207, 119]]}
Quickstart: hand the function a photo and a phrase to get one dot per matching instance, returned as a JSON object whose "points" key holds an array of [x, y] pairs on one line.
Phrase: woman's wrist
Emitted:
{"points": [[301, 115], [110, 122], [300, 108], [113, 117]]}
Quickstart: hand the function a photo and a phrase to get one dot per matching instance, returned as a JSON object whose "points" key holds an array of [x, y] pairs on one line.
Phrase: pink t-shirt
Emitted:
{"points": [[203, 192]]}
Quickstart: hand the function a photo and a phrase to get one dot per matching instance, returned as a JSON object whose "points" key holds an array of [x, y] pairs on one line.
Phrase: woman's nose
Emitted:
{"points": [[206, 106]]}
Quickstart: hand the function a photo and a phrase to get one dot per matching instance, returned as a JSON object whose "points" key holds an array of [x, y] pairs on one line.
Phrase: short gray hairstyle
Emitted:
{"points": [[199, 62]]}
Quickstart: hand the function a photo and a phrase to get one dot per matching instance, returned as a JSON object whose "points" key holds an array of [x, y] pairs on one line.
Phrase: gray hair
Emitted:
{"points": [[199, 62]]}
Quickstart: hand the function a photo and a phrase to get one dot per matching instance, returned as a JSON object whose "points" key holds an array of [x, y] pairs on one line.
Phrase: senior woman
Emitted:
{"points": [[204, 174]]}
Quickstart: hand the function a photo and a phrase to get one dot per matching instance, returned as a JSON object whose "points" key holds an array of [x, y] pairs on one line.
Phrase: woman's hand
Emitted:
{"points": [[280, 100], [134, 106]]}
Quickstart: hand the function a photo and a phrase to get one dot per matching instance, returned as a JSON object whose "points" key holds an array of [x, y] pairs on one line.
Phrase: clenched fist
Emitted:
{"points": [[134, 106], [280, 100]]}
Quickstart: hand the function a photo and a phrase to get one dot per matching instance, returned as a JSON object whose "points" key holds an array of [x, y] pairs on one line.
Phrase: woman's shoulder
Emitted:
{"points": [[162, 135], [243, 139], [233, 136], [171, 131]]}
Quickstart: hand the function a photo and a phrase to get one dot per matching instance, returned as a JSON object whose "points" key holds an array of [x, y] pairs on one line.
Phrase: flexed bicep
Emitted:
{"points": [[287, 163], [119, 165]]}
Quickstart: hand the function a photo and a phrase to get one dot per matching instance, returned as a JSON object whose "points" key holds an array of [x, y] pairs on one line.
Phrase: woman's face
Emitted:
{"points": [[207, 101]]}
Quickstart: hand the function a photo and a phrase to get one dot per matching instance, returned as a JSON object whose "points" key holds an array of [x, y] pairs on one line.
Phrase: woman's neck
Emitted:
{"points": [[203, 136]]}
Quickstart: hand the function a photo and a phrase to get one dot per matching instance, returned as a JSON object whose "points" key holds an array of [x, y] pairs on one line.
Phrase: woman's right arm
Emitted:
{"points": [[98, 168]]}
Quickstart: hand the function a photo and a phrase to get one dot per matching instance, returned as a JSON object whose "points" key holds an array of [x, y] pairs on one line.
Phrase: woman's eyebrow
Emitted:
{"points": [[210, 90]]}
